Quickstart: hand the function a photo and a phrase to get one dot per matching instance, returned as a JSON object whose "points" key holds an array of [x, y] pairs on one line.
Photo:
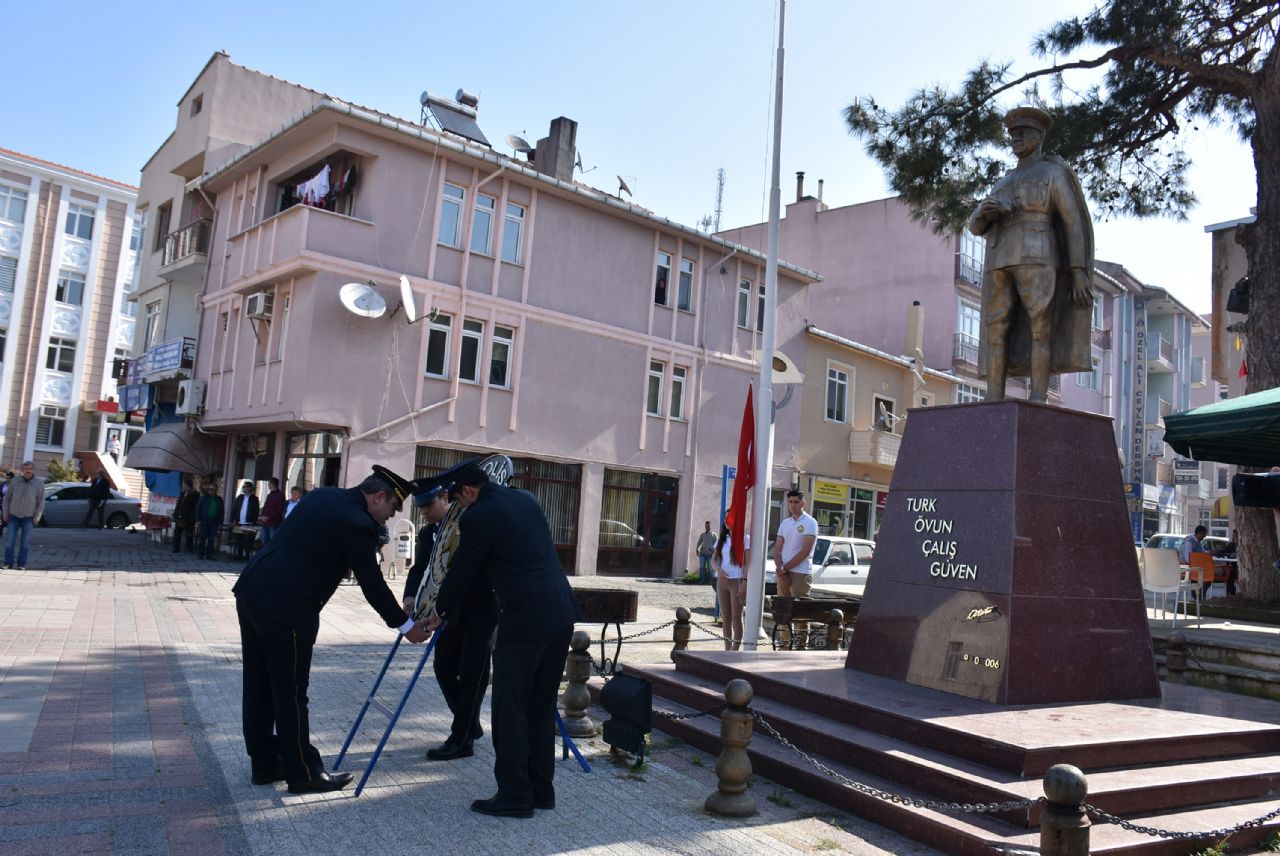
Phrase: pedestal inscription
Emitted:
{"points": [[1005, 571]]}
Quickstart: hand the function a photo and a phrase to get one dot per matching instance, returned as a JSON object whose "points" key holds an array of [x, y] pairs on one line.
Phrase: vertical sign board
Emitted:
{"points": [[1137, 452]]}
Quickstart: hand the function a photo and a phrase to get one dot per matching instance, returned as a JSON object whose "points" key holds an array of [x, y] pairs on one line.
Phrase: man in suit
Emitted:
{"points": [[272, 511], [184, 517], [278, 599], [99, 493], [505, 545], [461, 662], [244, 512], [208, 519]]}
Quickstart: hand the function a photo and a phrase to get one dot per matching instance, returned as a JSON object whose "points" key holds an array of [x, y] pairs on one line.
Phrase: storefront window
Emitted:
{"points": [[313, 459], [637, 524]]}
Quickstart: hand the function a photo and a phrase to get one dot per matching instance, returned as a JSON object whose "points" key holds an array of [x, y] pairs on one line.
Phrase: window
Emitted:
{"points": [[135, 236], [663, 277], [8, 274], [926, 399], [61, 356], [684, 296], [163, 215], [837, 395], [472, 337], [1097, 311], [151, 332], [1222, 478], [744, 304], [4, 343], [500, 356], [13, 204], [451, 215], [1091, 379], [760, 309], [678, 376], [70, 288], [197, 104], [50, 425], [80, 221], [128, 306], [967, 393], [513, 234], [654, 404], [482, 224], [882, 412], [973, 252], [438, 346]]}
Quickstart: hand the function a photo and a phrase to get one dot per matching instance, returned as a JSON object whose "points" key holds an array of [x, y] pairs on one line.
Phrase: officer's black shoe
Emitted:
{"points": [[499, 807], [476, 732], [545, 804], [269, 777], [322, 783], [449, 751]]}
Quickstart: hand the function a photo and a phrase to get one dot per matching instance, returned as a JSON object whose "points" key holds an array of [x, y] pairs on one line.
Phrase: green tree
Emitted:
{"points": [[1124, 84]]}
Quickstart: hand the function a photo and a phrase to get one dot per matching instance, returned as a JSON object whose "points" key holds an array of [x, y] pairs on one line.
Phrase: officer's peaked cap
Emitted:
{"points": [[1028, 117], [402, 487]]}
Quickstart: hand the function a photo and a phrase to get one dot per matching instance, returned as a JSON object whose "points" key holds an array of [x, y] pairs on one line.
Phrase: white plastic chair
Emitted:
{"points": [[1162, 575]]}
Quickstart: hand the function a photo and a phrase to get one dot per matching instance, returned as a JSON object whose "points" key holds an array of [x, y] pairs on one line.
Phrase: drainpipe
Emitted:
{"points": [[412, 413]]}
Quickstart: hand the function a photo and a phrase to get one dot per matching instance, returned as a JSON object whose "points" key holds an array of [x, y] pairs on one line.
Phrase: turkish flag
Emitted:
{"points": [[1244, 368], [736, 517]]}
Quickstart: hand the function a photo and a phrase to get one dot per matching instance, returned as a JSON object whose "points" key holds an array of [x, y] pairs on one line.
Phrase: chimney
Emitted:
{"points": [[915, 330], [799, 186], [819, 190], [556, 151]]}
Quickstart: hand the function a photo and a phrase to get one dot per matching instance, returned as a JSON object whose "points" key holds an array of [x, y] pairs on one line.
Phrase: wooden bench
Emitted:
{"points": [[785, 611]]}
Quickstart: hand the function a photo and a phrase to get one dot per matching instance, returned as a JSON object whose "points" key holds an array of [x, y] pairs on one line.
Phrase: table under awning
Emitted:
{"points": [[173, 446], [1244, 431]]}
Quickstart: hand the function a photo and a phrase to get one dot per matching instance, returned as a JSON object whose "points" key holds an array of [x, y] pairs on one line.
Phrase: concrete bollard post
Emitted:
{"points": [[1175, 657], [835, 629], [1064, 823], [733, 767], [680, 632], [577, 669]]}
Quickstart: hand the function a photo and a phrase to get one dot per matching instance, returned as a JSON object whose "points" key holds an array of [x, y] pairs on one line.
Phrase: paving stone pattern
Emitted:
{"points": [[120, 733]]}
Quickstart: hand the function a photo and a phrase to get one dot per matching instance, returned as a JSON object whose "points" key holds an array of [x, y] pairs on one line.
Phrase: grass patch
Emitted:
{"points": [[825, 844], [779, 798], [696, 761]]}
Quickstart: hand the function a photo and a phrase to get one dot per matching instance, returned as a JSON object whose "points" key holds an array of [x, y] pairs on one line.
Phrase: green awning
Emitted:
{"points": [[1243, 431]]}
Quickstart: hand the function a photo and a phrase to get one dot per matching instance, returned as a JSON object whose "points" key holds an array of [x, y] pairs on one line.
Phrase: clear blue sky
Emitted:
{"points": [[664, 92]]}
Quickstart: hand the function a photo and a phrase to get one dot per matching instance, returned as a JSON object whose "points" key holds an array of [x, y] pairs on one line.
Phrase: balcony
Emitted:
{"points": [[1157, 409], [966, 350], [299, 239], [871, 446], [1159, 354], [186, 253]]}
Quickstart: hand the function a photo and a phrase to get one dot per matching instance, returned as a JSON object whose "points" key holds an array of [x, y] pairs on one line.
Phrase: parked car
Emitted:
{"points": [[65, 504], [615, 533], [844, 564], [1167, 541]]}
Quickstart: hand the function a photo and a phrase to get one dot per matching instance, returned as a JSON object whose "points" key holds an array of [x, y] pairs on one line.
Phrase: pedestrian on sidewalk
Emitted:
{"points": [[244, 515], [278, 599], [184, 516], [732, 588], [99, 493], [208, 519], [272, 512], [114, 447], [22, 508]]}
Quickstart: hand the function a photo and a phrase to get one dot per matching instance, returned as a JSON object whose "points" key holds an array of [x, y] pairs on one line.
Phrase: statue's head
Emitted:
{"points": [[1027, 128]]}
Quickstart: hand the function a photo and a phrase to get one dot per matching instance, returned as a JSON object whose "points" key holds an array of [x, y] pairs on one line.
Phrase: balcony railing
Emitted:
{"points": [[187, 241], [966, 349], [873, 446], [1160, 348]]}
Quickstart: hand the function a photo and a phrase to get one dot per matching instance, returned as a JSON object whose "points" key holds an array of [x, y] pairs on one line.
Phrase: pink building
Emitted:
{"points": [[605, 349]]}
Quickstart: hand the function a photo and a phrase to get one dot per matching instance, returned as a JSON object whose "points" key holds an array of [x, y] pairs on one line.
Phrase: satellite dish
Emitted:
{"points": [[362, 298], [519, 144], [406, 299], [784, 369], [622, 187]]}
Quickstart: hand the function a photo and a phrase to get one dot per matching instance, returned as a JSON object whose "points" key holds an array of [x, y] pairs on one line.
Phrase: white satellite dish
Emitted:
{"points": [[362, 298], [519, 144], [406, 299], [622, 187]]}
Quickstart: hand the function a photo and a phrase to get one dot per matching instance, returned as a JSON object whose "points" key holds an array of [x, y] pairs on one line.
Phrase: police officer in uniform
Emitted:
{"points": [[505, 545], [278, 599], [462, 652]]}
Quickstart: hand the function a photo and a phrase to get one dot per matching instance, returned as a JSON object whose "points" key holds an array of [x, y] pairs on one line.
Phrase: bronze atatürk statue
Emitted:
{"points": [[1036, 290]]}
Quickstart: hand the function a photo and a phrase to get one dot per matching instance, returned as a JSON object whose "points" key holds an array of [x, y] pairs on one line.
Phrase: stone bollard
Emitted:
{"points": [[680, 632], [1064, 824], [835, 629], [733, 767], [577, 669], [1175, 657]]}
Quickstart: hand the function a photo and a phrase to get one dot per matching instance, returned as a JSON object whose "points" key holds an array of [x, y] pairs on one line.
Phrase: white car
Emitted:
{"points": [[840, 565]]}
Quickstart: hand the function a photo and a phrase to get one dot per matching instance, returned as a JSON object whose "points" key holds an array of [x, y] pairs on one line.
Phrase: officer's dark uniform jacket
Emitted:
{"points": [[295, 574]]}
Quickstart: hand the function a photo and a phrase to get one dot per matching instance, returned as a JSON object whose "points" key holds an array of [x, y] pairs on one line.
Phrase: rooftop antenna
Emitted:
{"points": [[577, 163], [362, 298], [719, 197], [622, 187], [519, 145]]}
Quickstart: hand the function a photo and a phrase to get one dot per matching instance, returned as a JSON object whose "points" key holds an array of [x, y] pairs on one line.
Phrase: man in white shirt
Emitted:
{"points": [[793, 549]]}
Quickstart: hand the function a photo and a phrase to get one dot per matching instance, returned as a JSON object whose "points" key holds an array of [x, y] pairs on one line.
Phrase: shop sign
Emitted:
{"points": [[829, 491], [882, 498], [1186, 472]]}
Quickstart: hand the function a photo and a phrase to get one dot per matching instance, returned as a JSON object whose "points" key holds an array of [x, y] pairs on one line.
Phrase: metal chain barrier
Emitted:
{"points": [[981, 808], [709, 632], [1156, 832], [676, 717], [606, 669]]}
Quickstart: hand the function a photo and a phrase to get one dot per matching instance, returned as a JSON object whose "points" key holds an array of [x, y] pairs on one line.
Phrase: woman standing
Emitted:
{"points": [[731, 586]]}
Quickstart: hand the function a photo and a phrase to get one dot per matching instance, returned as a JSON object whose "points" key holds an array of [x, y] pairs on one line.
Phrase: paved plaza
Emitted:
{"points": [[120, 733]]}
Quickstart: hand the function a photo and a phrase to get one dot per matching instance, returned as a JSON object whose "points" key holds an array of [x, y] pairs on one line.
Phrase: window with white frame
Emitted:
{"points": [[684, 294], [4, 343], [472, 340], [967, 393], [744, 304], [513, 234], [837, 395], [927, 399], [482, 224], [1097, 311], [653, 404], [1091, 379], [51, 425], [1222, 478], [13, 204], [450, 231], [8, 274], [973, 253], [662, 279], [151, 325], [80, 221], [500, 356], [61, 356], [128, 306], [760, 309], [679, 374], [882, 408], [70, 288], [135, 236], [438, 329]]}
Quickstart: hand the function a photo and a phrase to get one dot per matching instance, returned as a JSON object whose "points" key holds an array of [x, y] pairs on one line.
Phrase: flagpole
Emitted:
{"points": [[764, 404]]}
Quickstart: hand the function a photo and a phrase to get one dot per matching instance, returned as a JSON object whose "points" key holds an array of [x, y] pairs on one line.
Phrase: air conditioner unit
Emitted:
{"points": [[258, 305], [190, 397], [52, 411]]}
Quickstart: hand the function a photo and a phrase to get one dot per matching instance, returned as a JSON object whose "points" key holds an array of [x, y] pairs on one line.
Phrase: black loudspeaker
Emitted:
{"points": [[1256, 490], [629, 702], [1238, 299]]}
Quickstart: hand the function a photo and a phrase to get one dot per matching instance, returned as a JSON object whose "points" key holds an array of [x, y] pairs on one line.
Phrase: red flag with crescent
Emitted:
{"points": [[736, 517]]}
